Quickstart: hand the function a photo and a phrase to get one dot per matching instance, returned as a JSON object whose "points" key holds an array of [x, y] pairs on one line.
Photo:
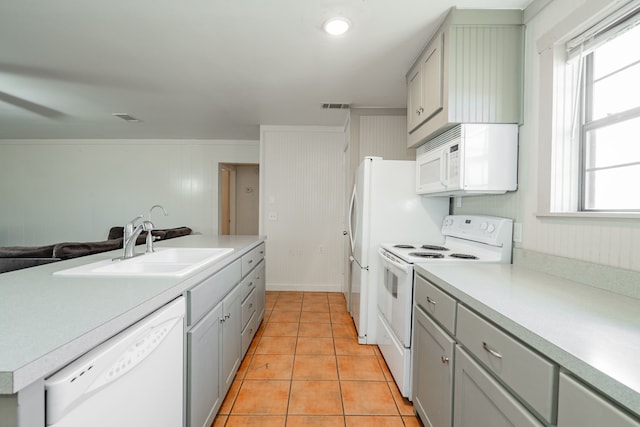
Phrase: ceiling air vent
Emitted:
{"points": [[335, 106], [127, 118]]}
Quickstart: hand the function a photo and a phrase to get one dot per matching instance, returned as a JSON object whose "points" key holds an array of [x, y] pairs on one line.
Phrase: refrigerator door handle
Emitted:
{"points": [[351, 207], [352, 259]]}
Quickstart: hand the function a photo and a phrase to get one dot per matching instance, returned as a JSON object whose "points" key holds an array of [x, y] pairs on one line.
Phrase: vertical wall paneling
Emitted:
{"points": [[386, 137], [480, 79], [606, 241], [56, 190], [303, 206]]}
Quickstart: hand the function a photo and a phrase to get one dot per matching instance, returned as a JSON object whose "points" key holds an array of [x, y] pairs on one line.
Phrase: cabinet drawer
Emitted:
{"points": [[248, 308], [252, 258], [436, 303], [481, 401], [211, 291], [250, 282], [524, 371], [248, 333], [579, 406]]}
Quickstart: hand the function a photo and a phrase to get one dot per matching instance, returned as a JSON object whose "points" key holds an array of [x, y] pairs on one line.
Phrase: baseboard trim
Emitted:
{"points": [[296, 287]]}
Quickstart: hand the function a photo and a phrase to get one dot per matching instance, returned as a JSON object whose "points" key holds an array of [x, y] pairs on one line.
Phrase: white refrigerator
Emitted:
{"points": [[384, 208]]}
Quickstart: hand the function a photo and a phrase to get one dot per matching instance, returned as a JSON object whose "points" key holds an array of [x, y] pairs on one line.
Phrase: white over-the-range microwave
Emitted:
{"points": [[469, 159]]}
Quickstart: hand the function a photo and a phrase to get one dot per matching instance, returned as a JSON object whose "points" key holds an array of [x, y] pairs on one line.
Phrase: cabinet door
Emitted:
{"points": [[432, 83], [203, 370], [231, 342], [580, 407], [432, 371], [481, 401], [414, 97]]}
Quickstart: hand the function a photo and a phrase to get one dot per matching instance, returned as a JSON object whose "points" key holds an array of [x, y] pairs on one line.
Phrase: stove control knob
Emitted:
{"points": [[448, 221], [491, 228], [484, 226]]}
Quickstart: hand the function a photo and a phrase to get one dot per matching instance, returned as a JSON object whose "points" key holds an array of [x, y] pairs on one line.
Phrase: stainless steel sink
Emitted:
{"points": [[164, 262]]}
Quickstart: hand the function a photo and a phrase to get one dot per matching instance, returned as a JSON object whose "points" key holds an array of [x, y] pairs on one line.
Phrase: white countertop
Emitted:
{"points": [[589, 331], [47, 321]]}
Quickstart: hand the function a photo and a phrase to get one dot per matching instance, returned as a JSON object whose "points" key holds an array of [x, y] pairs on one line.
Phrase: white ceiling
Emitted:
{"points": [[209, 69]]}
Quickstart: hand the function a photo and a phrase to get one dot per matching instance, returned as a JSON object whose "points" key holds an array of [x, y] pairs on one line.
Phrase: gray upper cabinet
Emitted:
{"points": [[425, 85], [471, 71]]}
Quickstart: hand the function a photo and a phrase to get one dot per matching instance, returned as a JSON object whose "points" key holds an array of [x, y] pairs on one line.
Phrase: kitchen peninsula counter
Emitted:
{"points": [[47, 321], [591, 332]]}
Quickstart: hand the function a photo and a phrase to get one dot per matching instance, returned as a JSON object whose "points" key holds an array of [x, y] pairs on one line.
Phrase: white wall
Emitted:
{"points": [[609, 242], [302, 188], [55, 190]]}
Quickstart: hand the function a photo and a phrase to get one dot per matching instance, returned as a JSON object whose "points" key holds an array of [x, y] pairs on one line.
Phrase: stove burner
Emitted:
{"points": [[434, 248], [426, 255], [404, 246], [463, 256]]}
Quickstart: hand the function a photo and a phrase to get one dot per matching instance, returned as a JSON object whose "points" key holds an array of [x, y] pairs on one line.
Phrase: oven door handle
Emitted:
{"points": [[404, 267]]}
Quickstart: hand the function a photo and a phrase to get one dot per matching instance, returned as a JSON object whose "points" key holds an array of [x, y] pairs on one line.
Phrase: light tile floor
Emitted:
{"points": [[306, 368]]}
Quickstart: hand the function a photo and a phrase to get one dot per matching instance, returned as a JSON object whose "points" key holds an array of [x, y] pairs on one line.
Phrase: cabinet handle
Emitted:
{"points": [[430, 301], [250, 305], [250, 284], [444, 359], [491, 351], [250, 261], [418, 111], [228, 315], [222, 319]]}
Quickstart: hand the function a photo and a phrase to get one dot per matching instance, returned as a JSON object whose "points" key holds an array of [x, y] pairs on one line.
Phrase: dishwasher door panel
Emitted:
{"points": [[135, 378]]}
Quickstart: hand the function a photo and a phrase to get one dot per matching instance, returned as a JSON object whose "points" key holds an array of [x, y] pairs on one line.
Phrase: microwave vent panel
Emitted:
{"points": [[442, 139]]}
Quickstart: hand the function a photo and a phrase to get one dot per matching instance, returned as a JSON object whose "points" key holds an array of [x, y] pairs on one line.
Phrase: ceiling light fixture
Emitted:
{"points": [[337, 26]]}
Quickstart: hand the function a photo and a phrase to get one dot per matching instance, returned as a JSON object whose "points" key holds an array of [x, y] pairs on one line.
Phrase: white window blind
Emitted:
{"points": [[623, 19]]}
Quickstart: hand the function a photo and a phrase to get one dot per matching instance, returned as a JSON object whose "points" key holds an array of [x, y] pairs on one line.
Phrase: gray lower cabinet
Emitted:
{"points": [[433, 351], [213, 347], [203, 347], [579, 406], [222, 321], [481, 401], [525, 372]]}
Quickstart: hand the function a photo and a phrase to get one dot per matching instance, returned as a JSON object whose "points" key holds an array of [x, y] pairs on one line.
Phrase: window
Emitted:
{"points": [[609, 137]]}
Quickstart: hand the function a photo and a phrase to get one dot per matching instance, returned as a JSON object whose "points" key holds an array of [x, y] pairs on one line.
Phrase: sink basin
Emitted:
{"points": [[173, 262]]}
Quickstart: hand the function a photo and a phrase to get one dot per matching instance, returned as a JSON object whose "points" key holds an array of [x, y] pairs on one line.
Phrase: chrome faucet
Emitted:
{"points": [[150, 237], [131, 235]]}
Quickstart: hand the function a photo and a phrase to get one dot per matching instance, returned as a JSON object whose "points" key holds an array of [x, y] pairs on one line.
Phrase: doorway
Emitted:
{"points": [[239, 197]]}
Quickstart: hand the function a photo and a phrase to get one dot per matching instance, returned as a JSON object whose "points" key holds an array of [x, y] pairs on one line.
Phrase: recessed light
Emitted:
{"points": [[337, 26]]}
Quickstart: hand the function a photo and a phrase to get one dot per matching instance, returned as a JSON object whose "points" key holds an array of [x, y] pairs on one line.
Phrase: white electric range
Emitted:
{"points": [[465, 239]]}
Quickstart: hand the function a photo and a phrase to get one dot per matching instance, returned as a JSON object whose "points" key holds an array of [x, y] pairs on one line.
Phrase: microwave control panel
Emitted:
{"points": [[454, 165]]}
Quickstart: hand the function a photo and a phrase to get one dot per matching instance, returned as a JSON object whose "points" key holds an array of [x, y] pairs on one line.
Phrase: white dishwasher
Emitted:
{"points": [[133, 379]]}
